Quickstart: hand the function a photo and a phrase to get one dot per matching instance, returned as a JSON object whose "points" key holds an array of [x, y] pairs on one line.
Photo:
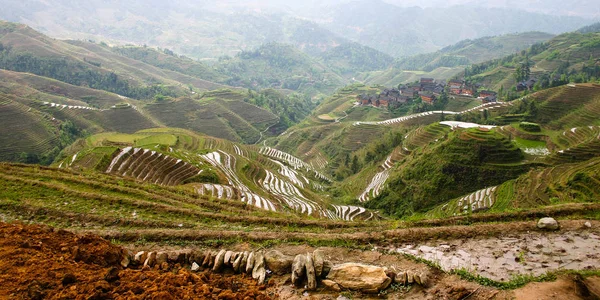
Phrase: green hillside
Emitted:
{"points": [[451, 60], [569, 57]]}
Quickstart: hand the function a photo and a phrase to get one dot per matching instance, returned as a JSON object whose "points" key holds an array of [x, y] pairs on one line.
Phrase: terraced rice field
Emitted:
{"points": [[293, 161], [403, 119], [583, 143], [569, 106], [24, 130], [151, 166], [477, 201], [378, 181], [226, 163]]}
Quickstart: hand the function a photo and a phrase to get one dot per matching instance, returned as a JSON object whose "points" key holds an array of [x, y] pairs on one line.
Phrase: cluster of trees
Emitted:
{"points": [[67, 134], [291, 109], [77, 73], [372, 154]]}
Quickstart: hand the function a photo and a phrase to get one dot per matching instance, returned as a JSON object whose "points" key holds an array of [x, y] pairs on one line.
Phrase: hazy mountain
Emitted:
{"points": [[209, 29], [407, 31]]}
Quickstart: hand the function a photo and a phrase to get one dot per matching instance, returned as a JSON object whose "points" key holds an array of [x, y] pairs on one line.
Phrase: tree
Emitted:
{"points": [[355, 165]]}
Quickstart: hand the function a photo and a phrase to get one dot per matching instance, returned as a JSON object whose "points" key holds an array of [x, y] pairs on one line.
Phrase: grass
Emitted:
{"points": [[523, 143]]}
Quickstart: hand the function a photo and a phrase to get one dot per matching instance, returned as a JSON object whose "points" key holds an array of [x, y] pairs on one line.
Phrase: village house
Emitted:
{"points": [[455, 87], [485, 93], [526, 85], [427, 97], [387, 98], [467, 91]]}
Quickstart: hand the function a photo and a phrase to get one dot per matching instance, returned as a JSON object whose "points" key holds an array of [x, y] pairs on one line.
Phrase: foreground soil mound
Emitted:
{"points": [[39, 262]]}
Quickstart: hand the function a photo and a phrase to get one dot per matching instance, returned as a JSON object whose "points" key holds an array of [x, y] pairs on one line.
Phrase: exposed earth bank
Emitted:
{"points": [[40, 262]]}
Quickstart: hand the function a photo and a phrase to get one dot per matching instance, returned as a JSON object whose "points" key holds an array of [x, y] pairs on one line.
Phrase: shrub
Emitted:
{"points": [[531, 127]]}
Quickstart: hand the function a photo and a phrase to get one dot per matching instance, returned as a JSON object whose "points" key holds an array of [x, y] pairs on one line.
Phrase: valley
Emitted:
{"points": [[309, 162]]}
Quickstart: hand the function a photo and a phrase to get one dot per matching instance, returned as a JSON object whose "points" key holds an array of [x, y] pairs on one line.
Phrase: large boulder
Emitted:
{"points": [[547, 224], [355, 276], [277, 262]]}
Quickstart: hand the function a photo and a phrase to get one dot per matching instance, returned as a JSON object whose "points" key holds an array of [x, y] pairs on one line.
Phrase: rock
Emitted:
{"points": [[237, 263], [355, 276], [587, 224], [219, 261], [211, 260], [259, 272], [298, 269], [417, 278], [227, 258], [327, 265], [410, 278], [424, 276], [547, 224], [233, 258], [140, 257], [401, 278], [125, 261], [161, 257], [195, 267], [310, 272], [151, 260], [244, 261], [391, 275], [206, 260], [184, 256], [331, 285], [250, 263], [318, 261], [277, 262]]}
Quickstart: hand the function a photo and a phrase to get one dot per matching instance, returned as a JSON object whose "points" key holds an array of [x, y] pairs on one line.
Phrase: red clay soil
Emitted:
{"points": [[39, 262]]}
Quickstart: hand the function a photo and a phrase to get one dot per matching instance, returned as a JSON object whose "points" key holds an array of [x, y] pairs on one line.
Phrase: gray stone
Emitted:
{"points": [[161, 257], [310, 272], [547, 224], [244, 261], [150, 260], [298, 269], [327, 265], [195, 267], [233, 258], [331, 285], [250, 263], [361, 277], [206, 260], [211, 261], [140, 257], [318, 261], [126, 260], [401, 278], [219, 261], [587, 224], [237, 263], [259, 272], [227, 258], [410, 277], [277, 262]]}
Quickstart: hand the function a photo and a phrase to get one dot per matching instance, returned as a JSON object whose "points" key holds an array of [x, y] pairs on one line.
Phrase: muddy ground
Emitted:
{"points": [[39, 262]]}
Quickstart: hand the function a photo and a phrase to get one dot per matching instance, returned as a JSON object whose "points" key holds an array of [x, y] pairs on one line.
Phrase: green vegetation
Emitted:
{"points": [[467, 161], [531, 127]]}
